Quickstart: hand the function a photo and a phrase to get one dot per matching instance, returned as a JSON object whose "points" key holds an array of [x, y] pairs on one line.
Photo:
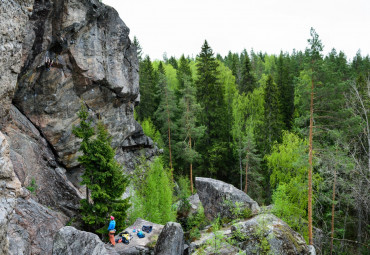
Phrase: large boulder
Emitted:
{"points": [[140, 245], [217, 196], [94, 62], [171, 240], [32, 228], [267, 233], [70, 241]]}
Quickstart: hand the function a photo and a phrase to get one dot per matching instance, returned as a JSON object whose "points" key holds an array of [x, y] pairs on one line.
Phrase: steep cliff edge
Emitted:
{"points": [[95, 63]]}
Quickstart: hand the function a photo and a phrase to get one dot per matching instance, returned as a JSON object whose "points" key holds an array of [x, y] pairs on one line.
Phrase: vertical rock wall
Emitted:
{"points": [[94, 63]]}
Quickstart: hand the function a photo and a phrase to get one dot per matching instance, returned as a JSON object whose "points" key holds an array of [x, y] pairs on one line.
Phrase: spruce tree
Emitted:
{"points": [[183, 72], [273, 123], [210, 95], [248, 82], [103, 176], [148, 90], [166, 114], [284, 83], [139, 49]]}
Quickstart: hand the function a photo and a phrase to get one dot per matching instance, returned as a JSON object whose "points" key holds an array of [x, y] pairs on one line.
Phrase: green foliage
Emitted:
{"points": [[33, 186], [260, 231], [153, 195], [183, 194], [241, 103], [289, 164], [197, 219], [273, 124], [150, 130], [103, 176], [210, 95], [71, 221], [194, 234], [148, 90], [248, 81]]}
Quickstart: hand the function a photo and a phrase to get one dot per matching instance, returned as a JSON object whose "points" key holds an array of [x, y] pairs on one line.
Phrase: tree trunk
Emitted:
{"points": [[310, 239], [240, 169], [246, 174], [191, 170], [169, 134], [332, 213], [87, 195]]}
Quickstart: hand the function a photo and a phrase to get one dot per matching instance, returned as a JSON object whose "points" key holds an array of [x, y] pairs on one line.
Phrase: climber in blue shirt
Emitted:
{"points": [[111, 230]]}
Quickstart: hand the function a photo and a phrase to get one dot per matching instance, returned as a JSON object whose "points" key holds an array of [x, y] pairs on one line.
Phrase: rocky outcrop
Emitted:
{"points": [[70, 241], [32, 228], [94, 62], [215, 196], [171, 240], [10, 187], [140, 245], [14, 15], [194, 202], [266, 232], [36, 166]]}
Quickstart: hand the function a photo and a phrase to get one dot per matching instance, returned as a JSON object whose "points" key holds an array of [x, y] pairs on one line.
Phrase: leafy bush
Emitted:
{"points": [[153, 195], [194, 234], [33, 186], [197, 219], [150, 130], [183, 194]]}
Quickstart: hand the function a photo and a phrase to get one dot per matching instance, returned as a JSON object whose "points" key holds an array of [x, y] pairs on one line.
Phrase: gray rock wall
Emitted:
{"points": [[94, 62], [10, 187], [13, 18]]}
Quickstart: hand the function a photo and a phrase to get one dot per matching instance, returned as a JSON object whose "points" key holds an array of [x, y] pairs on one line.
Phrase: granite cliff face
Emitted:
{"points": [[95, 63]]}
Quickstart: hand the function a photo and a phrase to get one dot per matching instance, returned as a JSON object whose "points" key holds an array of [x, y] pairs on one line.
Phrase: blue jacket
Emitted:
{"points": [[112, 225]]}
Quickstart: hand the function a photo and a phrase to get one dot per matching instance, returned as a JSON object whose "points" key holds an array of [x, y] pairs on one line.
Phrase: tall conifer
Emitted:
{"points": [[103, 176]]}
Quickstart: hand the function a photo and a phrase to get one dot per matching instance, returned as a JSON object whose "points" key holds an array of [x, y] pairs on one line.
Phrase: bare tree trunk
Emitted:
{"points": [[359, 216], [240, 169], [191, 170], [169, 134], [87, 195], [332, 213], [310, 239], [344, 227], [246, 174]]}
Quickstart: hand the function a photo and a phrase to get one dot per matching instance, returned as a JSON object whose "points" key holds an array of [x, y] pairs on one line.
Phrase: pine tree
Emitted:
{"points": [[103, 176], [315, 53], [190, 131]]}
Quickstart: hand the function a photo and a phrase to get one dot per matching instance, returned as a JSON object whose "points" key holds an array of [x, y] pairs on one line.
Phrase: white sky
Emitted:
{"points": [[181, 26]]}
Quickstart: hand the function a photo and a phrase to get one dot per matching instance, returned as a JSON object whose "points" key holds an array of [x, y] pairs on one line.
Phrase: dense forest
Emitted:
{"points": [[245, 119]]}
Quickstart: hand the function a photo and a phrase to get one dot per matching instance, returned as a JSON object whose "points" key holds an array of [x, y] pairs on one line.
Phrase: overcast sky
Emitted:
{"points": [[181, 26]]}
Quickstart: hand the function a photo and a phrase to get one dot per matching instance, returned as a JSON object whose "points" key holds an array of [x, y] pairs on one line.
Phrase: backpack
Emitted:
{"points": [[147, 229], [140, 234]]}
